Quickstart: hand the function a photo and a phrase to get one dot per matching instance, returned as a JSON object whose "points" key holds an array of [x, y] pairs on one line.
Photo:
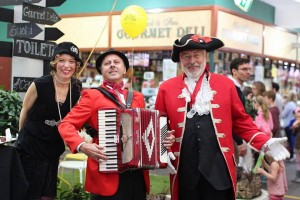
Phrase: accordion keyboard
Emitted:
{"points": [[163, 134], [107, 122]]}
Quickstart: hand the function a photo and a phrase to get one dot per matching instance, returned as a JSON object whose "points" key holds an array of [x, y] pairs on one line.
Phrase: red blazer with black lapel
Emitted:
{"points": [[86, 110]]}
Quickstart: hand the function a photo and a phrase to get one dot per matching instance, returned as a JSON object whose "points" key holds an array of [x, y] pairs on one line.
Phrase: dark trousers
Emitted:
{"points": [[131, 187], [291, 140], [205, 191]]}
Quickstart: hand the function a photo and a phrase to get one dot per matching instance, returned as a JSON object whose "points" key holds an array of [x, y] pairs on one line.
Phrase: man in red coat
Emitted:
{"points": [[131, 184], [203, 108]]}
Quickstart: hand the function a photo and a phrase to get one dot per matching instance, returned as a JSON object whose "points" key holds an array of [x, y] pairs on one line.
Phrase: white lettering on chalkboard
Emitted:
{"points": [[33, 48]]}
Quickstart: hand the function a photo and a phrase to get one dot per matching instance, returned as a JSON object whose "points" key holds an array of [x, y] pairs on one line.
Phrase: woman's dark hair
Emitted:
{"points": [[247, 90]]}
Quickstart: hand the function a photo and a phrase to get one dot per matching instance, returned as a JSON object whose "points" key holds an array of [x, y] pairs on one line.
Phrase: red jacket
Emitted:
{"points": [[105, 184], [227, 112]]}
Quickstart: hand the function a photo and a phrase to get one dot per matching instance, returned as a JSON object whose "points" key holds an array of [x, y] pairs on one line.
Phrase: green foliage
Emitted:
{"points": [[249, 108], [159, 184], [10, 108], [75, 193], [159, 188]]}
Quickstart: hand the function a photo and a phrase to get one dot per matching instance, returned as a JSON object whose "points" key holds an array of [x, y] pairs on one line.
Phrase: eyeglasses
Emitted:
{"points": [[245, 69]]}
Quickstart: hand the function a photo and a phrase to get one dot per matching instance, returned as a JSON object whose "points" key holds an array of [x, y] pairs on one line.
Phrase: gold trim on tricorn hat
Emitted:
{"points": [[193, 41]]}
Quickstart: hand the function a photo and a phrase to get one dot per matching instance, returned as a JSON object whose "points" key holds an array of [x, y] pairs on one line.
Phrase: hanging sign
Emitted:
{"points": [[245, 5], [5, 49], [6, 15], [21, 84], [31, 48], [25, 30], [16, 2], [53, 3], [53, 33], [38, 14]]}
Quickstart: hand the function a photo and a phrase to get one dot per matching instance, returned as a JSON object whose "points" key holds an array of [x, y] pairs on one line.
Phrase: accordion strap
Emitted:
{"points": [[114, 99], [129, 98], [109, 95]]}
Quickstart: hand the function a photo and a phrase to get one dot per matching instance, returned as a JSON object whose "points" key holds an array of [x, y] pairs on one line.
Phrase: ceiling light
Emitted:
{"points": [[155, 10]]}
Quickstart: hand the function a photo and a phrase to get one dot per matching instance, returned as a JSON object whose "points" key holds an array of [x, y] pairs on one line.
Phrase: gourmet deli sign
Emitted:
{"points": [[163, 28], [30, 48], [39, 14]]}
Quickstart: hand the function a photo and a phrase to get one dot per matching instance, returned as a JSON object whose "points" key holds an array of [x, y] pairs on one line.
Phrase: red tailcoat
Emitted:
{"points": [[105, 184], [227, 113]]}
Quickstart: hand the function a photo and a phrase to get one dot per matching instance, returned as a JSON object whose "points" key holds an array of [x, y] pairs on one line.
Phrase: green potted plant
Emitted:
{"points": [[10, 108], [75, 193]]}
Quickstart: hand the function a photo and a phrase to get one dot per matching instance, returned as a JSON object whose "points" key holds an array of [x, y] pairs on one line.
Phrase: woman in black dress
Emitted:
{"points": [[46, 102]]}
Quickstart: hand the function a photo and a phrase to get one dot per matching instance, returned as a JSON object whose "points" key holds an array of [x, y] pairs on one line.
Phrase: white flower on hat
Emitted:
{"points": [[74, 49]]}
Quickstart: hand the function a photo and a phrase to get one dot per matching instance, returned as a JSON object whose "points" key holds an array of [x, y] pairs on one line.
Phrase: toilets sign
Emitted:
{"points": [[31, 48], [38, 14]]}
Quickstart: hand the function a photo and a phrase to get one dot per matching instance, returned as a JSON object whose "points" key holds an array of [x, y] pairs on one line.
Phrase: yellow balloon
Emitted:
{"points": [[134, 20]]}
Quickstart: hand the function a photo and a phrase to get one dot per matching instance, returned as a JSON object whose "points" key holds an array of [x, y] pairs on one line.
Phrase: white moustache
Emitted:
{"points": [[193, 65]]}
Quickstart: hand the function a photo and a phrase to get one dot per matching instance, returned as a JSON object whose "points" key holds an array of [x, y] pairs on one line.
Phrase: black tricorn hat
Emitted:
{"points": [[118, 53], [193, 41], [67, 48]]}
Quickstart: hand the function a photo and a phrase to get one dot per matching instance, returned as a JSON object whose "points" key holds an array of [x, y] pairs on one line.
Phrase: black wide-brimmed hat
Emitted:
{"points": [[118, 53], [67, 48], [193, 41]]}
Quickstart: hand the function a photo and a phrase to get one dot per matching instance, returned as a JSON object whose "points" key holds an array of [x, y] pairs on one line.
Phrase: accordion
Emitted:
{"points": [[132, 139]]}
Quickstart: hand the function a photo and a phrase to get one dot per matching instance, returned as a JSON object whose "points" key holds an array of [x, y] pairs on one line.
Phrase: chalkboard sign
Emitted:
{"points": [[25, 30], [16, 2], [31, 48], [21, 84], [38, 14]]}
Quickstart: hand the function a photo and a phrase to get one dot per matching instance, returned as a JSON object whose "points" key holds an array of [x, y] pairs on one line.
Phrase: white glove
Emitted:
{"points": [[275, 149], [170, 168]]}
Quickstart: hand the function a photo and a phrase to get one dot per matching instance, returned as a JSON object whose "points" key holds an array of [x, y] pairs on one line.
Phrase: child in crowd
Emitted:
{"points": [[276, 177], [270, 97], [263, 120]]}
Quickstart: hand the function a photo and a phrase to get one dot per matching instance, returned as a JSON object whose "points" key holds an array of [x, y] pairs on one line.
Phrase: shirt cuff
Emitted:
{"points": [[78, 147]]}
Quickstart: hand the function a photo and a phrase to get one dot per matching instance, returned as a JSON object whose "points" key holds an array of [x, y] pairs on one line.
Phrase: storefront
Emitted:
{"points": [[269, 48]]}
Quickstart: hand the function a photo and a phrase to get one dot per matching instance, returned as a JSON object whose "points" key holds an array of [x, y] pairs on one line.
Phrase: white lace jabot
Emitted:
{"points": [[203, 98]]}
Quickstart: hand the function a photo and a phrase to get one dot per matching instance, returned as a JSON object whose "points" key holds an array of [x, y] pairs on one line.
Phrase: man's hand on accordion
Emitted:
{"points": [[168, 142], [169, 139], [94, 151]]}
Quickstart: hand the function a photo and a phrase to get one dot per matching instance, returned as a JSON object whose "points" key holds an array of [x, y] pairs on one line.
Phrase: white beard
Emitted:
{"points": [[196, 74]]}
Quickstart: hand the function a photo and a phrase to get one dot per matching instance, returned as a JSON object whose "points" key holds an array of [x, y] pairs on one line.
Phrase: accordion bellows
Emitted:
{"points": [[132, 139]]}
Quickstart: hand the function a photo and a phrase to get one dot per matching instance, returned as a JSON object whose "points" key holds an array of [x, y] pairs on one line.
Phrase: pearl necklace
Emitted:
{"points": [[63, 82], [58, 107]]}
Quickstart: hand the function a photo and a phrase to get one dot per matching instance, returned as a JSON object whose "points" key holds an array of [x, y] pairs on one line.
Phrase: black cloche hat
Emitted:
{"points": [[67, 48], [193, 41], [103, 55]]}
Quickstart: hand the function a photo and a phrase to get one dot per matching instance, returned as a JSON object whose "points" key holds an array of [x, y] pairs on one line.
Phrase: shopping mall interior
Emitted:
{"points": [[257, 30]]}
